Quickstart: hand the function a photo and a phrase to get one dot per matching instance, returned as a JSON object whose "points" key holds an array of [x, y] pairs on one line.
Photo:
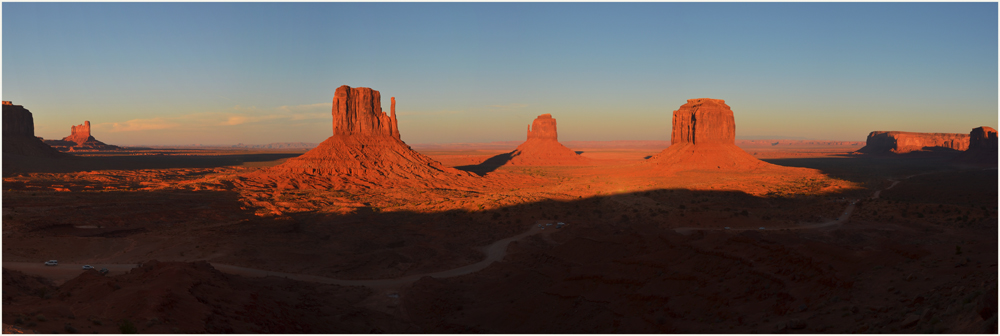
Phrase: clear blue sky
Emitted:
{"points": [[225, 73]]}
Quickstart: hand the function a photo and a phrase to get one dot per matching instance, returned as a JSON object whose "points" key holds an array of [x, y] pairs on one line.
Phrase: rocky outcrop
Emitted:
{"points": [[886, 142], [80, 138], [703, 137], [982, 148], [19, 135], [79, 133], [543, 128], [983, 138], [358, 111], [704, 121], [542, 148], [17, 120], [365, 152]]}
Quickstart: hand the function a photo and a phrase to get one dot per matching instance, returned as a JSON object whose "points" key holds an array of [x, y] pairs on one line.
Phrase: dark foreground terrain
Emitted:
{"points": [[636, 255]]}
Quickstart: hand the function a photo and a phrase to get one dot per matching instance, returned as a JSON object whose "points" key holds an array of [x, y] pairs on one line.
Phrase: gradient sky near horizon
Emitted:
{"points": [[256, 73]]}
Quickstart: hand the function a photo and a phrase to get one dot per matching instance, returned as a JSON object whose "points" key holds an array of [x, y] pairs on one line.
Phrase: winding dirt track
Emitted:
{"points": [[494, 252], [840, 220]]}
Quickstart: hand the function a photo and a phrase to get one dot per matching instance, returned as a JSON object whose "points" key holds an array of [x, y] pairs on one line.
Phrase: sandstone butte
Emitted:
{"points": [[542, 148], [80, 138], [19, 134], [365, 152], [982, 147], [885, 142], [703, 137], [983, 138]]}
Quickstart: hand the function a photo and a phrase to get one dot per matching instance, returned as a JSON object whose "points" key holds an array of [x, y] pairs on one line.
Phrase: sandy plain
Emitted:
{"points": [[641, 252]]}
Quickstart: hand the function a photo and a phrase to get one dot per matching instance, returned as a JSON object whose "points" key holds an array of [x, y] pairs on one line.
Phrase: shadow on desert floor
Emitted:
{"points": [[867, 169], [87, 163], [618, 252], [487, 166]]}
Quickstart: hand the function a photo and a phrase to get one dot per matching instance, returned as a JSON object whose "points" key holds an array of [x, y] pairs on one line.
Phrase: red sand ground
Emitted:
{"points": [[921, 258]]}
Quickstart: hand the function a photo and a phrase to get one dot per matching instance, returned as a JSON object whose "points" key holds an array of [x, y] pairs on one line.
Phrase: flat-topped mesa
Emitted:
{"points": [[79, 134], [703, 121], [905, 142], [983, 138], [19, 137], [358, 111], [17, 120], [543, 128], [982, 148]]}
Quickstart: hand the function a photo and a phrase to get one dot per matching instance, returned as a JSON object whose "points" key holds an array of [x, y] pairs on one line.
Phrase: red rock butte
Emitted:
{"points": [[982, 147], [983, 138], [80, 138], [19, 134], [703, 137], [364, 152], [542, 147], [895, 142]]}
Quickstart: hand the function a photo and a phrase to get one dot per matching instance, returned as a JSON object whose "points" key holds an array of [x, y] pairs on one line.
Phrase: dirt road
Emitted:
{"points": [[494, 252], [840, 220]]}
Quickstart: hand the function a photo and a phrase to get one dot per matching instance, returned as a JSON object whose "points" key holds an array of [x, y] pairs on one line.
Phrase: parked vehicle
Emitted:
{"points": [[761, 227], [87, 267], [51, 263], [103, 271]]}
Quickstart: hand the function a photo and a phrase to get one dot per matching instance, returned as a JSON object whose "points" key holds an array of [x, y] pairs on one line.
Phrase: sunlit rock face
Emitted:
{"points": [[703, 137], [704, 121], [358, 111], [364, 152], [80, 138], [542, 148], [905, 142]]}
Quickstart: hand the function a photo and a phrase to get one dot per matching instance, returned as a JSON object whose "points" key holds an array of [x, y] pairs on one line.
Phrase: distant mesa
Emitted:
{"points": [[19, 135], [983, 138], [704, 138], [895, 142], [982, 147], [80, 138], [542, 148], [364, 152]]}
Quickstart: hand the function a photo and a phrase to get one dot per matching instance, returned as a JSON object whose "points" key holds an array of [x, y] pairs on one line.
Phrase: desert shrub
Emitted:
{"points": [[70, 329], [41, 318]]}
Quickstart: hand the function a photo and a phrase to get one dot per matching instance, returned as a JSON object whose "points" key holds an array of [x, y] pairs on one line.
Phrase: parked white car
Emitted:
{"points": [[87, 267], [51, 263]]}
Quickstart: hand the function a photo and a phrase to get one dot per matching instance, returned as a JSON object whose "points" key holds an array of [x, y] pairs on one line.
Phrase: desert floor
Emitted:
{"points": [[850, 243]]}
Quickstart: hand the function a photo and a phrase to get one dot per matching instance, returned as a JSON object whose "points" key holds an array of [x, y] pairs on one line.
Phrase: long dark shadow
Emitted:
{"points": [[489, 165]]}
